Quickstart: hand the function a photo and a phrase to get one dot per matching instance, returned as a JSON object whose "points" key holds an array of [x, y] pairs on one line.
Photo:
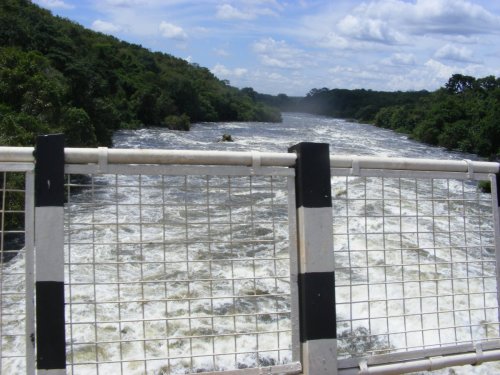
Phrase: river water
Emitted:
{"points": [[343, 137]]}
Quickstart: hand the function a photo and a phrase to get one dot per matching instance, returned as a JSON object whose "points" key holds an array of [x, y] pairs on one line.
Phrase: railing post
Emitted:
{"points": [[316, 281], [49, 253]]}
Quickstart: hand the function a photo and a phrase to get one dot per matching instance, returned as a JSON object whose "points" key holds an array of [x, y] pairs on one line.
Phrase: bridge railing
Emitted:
{"points": [[17, 317], [166, 262], [416, 250]]}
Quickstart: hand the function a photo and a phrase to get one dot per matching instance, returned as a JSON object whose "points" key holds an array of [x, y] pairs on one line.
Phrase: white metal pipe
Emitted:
{"points": [[370, 162], [428, 364], [156, 156], [16, 154]]}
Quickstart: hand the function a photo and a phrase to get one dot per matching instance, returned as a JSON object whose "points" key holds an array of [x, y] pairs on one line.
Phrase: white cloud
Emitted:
{"points": [[224, 72], [228, 12], [400, 59], [373, 30], [54, 4], [171, 31], [278, 54], [453, 17], [105, 27], [454, 52], [401, 22], [333, 41], [248, 10], [221, 52]]}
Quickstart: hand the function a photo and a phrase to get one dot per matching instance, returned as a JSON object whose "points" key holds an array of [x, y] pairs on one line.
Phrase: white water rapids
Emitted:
{"points": [[269, 291]]}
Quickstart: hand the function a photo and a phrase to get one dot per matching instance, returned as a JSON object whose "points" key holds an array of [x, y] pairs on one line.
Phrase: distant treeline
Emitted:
{"points": [[463, 115], [57, 76]]}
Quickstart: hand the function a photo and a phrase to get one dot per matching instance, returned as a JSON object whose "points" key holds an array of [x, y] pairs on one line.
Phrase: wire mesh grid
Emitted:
{"points": [[176, 274], [415, 264], [14, 314]]}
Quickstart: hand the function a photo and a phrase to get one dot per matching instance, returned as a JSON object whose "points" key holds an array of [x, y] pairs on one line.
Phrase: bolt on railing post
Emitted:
{"points": [[316, 281], [49, 253]]}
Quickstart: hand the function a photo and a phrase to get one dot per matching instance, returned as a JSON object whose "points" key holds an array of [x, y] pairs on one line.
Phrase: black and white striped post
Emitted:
{"points": [[49, 252], [316, 281]]}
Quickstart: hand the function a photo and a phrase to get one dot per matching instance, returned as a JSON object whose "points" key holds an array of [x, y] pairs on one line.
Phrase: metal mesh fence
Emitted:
{"points": [[176, 274], [16, 262], [415, 264]]}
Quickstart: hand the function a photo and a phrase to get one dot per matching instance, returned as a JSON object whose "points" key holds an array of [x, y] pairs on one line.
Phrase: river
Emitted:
{"points": [[344, 137], [123, 265]]}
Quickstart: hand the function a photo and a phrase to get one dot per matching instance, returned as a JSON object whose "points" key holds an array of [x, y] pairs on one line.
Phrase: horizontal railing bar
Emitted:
{"points": [[210, 336], [401, 356], [412, 164], [428, 364], [246, 158], [144, 300], [291, 368], [182, 317], [113, 263], [173, 357], [186, 157], [179, 170]]}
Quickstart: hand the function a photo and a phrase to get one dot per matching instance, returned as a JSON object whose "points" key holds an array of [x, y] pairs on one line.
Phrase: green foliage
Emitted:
{"points": [[174, 122], [362, 105], [62, 77], [464, 115]]}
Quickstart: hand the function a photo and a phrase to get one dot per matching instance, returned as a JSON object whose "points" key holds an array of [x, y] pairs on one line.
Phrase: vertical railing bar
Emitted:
{"points": [[186, 232], [2, 223], [165, 287], [366, 252], [450, 252], [348, 231], [141, 267], [275, 269], [68, 217], [419, 263], [210, 266], [467, 255], [118, 273], [294, 268], [29, 235], [385, 261], [481, 253], [495, 196], [92, 189]]}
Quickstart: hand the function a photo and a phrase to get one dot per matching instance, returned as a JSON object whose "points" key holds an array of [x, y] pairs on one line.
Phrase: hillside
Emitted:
{"points": [[57, 76]]}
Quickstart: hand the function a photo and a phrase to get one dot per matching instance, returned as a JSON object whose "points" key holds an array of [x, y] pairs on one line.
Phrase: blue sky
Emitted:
{"points": [[293, 46]]}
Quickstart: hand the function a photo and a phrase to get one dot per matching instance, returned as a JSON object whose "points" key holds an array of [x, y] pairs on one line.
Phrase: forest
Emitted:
{"points": [[57, 76], [462, 115]]}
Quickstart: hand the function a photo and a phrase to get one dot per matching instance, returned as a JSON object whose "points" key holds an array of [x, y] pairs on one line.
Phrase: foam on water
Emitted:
{"points": [[344, 138]]}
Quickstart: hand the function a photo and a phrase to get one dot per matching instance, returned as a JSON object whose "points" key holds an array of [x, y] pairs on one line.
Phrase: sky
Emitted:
{"points": [[292, 47]]}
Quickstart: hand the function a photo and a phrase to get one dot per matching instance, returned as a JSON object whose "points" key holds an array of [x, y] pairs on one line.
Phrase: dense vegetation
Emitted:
{"points": [[361, 104], [463, 115], [56, 76]]}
